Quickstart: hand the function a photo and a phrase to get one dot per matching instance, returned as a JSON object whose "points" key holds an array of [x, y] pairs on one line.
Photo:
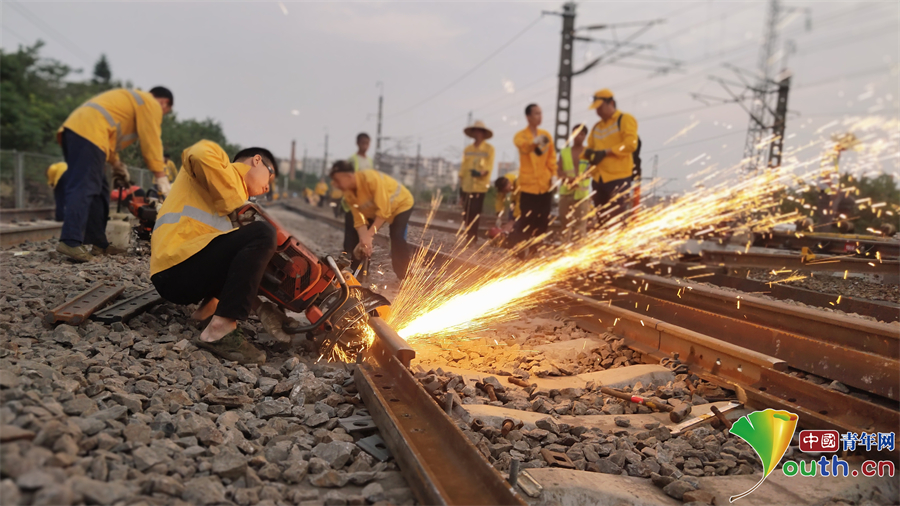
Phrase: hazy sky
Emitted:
{"points": [[273, 72]]}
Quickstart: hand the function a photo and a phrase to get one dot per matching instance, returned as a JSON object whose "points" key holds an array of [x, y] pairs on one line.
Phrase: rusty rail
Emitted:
{"points": [[28, 214], [83, 306], [796, 262], [15, 235], [438, 461], [830, 243]]}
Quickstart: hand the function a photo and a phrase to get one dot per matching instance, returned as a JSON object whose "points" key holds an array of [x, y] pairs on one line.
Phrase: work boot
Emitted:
{"points": [[233, 346], [109, 250], [273, 320], [78, 253]]}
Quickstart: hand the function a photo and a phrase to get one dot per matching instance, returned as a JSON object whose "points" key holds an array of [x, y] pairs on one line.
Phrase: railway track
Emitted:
{"points": [[758, 349], [15, 234]]}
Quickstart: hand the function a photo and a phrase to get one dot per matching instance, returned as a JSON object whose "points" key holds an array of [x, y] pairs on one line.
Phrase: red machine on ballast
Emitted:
{"points": [[296, 280], [143, 206]]}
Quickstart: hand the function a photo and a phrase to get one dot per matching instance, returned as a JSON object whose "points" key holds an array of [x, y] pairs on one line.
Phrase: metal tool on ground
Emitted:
{"points": [[83, 306], [637, 399], [337, 306], [128, 308], [142, 205], [721, 417]]}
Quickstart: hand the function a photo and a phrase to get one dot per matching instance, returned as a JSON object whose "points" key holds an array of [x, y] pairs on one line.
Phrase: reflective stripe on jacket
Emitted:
{"points": [[621, 139], [113, 120], [377, 195], [208, 188], [479, 158], [583, 188]]}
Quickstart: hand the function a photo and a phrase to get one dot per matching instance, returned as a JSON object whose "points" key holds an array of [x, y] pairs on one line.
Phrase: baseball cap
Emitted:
{"points": [[600, 96]]}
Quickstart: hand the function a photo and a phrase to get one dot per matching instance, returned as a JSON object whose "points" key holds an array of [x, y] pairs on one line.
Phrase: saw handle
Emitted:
{"points": [[345, 295]]}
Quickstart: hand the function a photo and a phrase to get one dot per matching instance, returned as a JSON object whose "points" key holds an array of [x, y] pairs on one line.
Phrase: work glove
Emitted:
{"points": [[540, 144], [120, 172], [475, 173], [162, 185], [595, 157]]}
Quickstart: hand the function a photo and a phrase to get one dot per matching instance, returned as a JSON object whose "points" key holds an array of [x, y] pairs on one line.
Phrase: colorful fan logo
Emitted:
{"points": [[769, 432]]}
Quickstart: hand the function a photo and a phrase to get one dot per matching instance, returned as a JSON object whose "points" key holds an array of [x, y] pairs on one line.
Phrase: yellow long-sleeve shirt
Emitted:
{"points": [[377, 195], [54, 172], [481, 159], [208, 188], [535, 171], [621, 142], [321, 188], [115, 119]]}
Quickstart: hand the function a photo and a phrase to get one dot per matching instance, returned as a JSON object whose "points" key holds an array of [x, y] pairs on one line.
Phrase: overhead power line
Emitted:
{"points": [[470, 71], [51, 32]]}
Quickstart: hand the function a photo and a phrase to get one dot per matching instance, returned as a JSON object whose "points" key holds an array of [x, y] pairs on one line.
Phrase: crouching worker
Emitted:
{"points": [[197, 256], [374, 198]]}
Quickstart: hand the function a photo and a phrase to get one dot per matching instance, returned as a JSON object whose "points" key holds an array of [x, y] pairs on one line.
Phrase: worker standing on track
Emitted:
{"points": [[573, 193], [475, 176], [321, 191], [358, 161], [91, 136], [198, 256], [56, 180], [537, 166], [171, 169], [611, 146], [374, 198]]}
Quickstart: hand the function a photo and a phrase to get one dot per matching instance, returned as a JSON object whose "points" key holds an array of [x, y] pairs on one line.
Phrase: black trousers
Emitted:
{"points": [[611, 191], [351, 237], [535, 216], [86, 192], [401, 251], [474, 207], [229, 268]]}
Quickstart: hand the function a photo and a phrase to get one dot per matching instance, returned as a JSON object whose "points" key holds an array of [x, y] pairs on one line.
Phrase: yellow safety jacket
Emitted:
{"points": [[512, 198], [479, 158], [583, 188], [359, 163], [621, 138], [535, 171], [54, 172], [321, 188], [377, 195], [208, 188], [113, 120]]}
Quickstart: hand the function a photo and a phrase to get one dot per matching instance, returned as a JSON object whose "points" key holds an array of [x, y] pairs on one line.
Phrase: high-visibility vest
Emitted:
{"points": [[583, 188]]}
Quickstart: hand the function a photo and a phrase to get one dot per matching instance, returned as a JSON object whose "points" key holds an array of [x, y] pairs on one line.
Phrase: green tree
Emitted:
{"points": [[177, 135], [102, 72]]}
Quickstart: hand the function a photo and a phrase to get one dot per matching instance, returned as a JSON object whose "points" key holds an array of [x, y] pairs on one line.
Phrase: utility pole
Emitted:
{"points": [[377, 158], [759, 105], [777, 144], [325, 157], [468, 124], [416, 178], [303, 165], [293, 159], [564, 86]]}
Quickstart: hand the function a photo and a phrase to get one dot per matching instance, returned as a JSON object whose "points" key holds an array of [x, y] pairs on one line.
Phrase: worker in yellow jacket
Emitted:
{"points": [[321, 191], [197, 256], [475, 176], [374, 198], [57, 183], [507, 202], [91, 136], [359, 161], [171, 169], [537, 166], [610, 151]]}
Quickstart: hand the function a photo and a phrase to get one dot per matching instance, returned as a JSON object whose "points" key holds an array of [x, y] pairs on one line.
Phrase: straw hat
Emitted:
{"points": [[478, 125]]}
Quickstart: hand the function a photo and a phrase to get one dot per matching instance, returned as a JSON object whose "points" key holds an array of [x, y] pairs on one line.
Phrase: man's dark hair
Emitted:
{"points": [[362, 136], [583, 128], [266, 155], [340, 166], [166, 155], [160, 92], [501, 183], [528, 109]]}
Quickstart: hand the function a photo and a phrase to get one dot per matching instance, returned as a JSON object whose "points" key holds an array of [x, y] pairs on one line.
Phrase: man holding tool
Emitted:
{"points": [[574, 187], [537, 166], [475, 176]]}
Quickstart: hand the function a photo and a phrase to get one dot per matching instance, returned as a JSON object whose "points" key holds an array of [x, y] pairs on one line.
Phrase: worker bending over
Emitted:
{"points": [[475, 176], [610, 149], [94, 134], [56, 180], [537, 166], [374, 198], [198, 256], [574, 187], [358, 161]]}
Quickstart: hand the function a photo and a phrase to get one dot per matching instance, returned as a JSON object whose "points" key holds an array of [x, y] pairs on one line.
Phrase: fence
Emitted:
{"points": [[23, 179]]}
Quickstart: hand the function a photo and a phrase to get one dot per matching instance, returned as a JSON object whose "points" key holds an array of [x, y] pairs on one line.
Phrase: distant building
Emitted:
{"points": [[434, 172], [504, 168]]}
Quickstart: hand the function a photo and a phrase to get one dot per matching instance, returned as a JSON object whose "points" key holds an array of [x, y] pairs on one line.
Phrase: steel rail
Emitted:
{"points": [[716, 275], [26, 214], [829, 243], [750, 373], [13, 236], [796, 262], [439, 462]]}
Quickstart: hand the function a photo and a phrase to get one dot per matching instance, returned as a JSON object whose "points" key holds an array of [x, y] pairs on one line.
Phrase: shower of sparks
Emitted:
{"points": [[439, 302]]}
